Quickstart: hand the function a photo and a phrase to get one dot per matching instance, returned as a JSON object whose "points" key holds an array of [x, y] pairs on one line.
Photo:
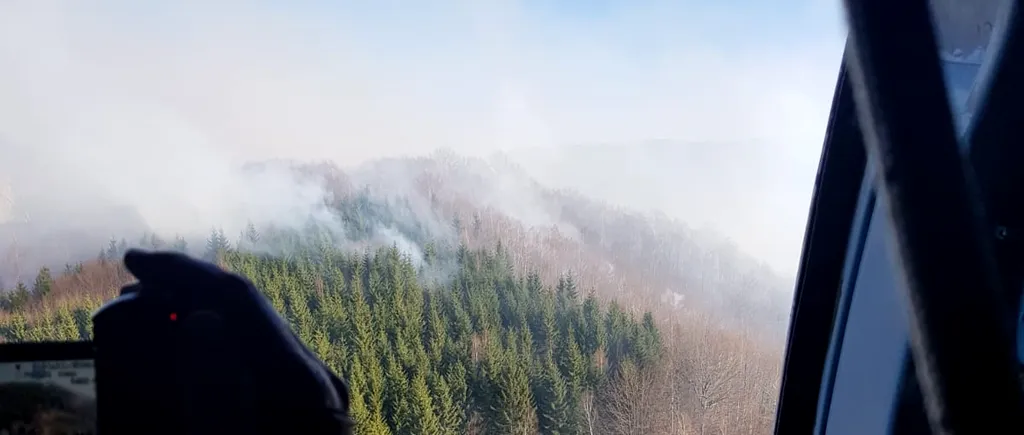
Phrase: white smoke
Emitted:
{"points": [[121, 117]]}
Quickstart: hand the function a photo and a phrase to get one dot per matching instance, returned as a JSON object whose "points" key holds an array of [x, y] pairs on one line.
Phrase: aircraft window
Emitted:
{"points": [[597, 207], [870, 363], [966, 30]]}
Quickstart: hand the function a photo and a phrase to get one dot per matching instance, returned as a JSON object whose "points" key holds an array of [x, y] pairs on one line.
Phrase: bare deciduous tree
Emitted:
{"points": [[588, 410], [710, 366], [634, 402]]}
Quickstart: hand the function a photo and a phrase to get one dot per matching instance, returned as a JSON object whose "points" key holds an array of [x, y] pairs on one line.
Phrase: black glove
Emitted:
{"points": [[236, 350]]}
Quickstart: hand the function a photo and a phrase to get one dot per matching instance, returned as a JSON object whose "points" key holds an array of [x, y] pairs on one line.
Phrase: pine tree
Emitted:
{"points": [[19, 297], [429, 253], [83, 322], [422, 417], [457, 379], [552, 400], [375, 390], [216, 245], [593, 329], [566, 290], [396, 396], [113, 252], [437, 334], [16, 328], [43, 284], [64, 326], [575, 371], [252, 236], [547, 325], [449, 415], [574, 365], [514, 412], [367, 420]]}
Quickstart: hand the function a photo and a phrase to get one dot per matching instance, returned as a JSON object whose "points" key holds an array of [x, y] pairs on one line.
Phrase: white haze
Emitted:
{"points": [[124, 114]]}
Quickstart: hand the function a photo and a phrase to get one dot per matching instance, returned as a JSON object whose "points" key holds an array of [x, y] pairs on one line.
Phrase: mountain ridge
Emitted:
{"points": [[663, 262]]}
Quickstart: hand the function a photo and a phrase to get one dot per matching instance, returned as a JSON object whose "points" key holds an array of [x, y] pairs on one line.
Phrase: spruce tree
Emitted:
{"points": [[514, 411], [422, 417], [43, 283], [553, 408], [449, 415]]}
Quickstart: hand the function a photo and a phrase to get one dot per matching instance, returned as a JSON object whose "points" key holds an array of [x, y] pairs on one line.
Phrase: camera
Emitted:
{"points": [[139, 387], [128, 380]]}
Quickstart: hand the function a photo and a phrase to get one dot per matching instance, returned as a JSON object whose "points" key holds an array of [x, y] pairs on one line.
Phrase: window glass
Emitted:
{"points": [[543, 216]]}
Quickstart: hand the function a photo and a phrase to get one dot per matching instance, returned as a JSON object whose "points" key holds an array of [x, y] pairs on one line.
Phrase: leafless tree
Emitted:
{"points": [[710, 366], [588, 410], [634, 402]]}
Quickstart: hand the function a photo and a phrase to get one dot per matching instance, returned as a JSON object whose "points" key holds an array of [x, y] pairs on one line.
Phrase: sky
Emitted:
{"points": [[142, 100]]}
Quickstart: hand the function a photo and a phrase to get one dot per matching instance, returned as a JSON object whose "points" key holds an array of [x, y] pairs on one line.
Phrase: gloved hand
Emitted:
{"points": [[237, 349]]}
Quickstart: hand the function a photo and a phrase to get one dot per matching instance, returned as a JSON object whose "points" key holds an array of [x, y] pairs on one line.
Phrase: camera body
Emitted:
{"points": [[139, 386], [128, 380]]}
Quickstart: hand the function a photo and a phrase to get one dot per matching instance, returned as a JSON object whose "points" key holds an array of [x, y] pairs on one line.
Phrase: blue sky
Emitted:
{"points": [[120, 81]]}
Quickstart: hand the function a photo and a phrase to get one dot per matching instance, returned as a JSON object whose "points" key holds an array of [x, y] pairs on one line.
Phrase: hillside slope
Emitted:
{"points": [[477, 283], [446, 198], [663, 262]]}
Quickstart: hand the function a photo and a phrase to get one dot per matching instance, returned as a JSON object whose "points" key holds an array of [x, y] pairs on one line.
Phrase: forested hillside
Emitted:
{"points": [[459, 296], [643, 259]]}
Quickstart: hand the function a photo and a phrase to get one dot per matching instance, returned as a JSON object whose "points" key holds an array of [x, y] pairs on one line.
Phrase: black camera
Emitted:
{"points": [[139, 388], [128, 380]]}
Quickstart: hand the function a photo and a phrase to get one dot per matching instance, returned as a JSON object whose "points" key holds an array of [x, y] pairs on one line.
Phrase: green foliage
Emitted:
{"points": [[513, 411], [419, 359], [43, 283], [553, 401]]}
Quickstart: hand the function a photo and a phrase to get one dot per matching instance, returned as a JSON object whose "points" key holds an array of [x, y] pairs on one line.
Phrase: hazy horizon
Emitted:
{"points": [[121, 104]]}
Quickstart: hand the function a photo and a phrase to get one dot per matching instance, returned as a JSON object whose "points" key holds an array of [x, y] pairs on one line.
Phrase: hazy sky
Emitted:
{"points": [[153, 99]]}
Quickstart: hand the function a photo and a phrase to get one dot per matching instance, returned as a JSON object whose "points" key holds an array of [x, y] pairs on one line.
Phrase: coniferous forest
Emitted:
{"points": [[494, 351]]}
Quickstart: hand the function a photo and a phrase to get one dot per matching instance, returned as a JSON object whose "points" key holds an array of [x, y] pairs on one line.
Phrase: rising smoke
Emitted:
{"points": [[120, 117]]}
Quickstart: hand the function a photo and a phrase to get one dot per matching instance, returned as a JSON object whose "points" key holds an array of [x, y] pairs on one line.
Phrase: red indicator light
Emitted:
{"points": [[174, 316]]}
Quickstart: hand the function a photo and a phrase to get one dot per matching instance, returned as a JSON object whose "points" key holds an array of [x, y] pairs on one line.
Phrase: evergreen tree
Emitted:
{"points": [[514, 412], [553, 407], [43, 284], [19, 297], [252, 235], [422, 416], [449, 415], [216, 245], [458, 380], [113, 251], [396, 397], [367, 420], [437, 337]]}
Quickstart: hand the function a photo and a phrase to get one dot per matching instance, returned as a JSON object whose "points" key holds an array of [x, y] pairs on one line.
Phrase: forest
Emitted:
{"points": [[476, 325]]}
